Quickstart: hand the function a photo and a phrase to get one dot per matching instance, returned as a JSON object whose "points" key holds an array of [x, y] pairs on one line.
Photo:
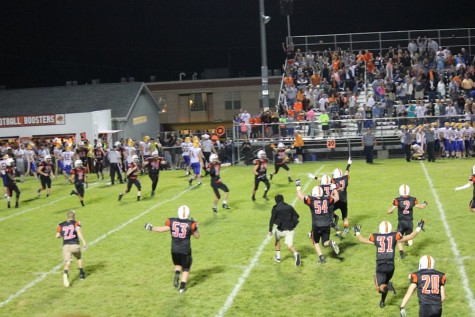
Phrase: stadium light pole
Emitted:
{"points": [[264, 73]]}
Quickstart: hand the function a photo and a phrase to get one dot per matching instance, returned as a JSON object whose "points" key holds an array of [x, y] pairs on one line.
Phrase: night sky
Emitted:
{"points": [[46, 43]]}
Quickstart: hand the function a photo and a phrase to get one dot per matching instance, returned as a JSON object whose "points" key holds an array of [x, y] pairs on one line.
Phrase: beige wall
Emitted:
{"points": [[178, 111]]}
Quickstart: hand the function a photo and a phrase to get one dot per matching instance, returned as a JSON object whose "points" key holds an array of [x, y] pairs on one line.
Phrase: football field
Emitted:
{"points": [[130, 272]]}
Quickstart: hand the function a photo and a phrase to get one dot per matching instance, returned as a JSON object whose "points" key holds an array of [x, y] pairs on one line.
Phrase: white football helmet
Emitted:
{"points": [[385, 227], [325, 180], [155, 154], [337, 173], [261, 154], [404, 190], [213, 158], [426, 262], [183, 212], [135, 158], [48, 158], [77, 163], [317, 191], [10, 161], [281, 145], [117, 143], [473, 169]]}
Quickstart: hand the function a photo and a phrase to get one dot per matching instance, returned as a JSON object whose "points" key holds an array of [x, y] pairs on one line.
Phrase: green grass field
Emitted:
{"points": [[130, 272]]}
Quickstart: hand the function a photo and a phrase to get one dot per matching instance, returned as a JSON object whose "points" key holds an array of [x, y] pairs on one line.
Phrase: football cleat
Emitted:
{"points": [[335, 247], [225, 206], [190, 181], [381, 304], [176, 280], [346, 230], [182, 290], [253, 198], [322, 259], [65, 280], [215, 210], [297, 259], [82, 275], [120, 197], [391, 288], [265, 197], [271, 175], [277, 259]]}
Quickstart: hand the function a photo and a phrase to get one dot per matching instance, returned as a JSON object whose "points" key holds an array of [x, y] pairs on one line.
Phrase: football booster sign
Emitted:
{"points": [[36, 120]]}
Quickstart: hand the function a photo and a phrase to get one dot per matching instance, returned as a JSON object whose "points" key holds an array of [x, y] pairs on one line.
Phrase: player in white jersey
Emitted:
{"points": [[196, 162], [57, 158], [468, 131], [185, 153], [459, 142], [31, 160], [67, 162], [445, 133], [3, 168]]}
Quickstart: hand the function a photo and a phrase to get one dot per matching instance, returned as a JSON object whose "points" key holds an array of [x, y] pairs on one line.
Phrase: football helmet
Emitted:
{"points": [[447, 124], [5, 157], [261, 154], [325, 180], [196, 144], [48, 158], [135, 158], [77, 163], [426, 262], [213, 158], [146, 138], [187, 139], [99, 144], [317, 191], [281, 145], [385, 227], [117, 144], [155, 154], [10, 161], [68, 148], [404, 190], [337, 173], [183, 212]]}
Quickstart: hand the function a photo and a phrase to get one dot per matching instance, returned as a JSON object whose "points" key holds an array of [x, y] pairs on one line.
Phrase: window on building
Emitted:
{"points": [[232, 101], [198, 101]]}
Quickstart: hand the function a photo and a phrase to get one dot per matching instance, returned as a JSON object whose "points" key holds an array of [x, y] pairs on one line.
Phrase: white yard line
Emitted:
{"points": [[52, 202], [453, 245], [59, 266], [252, 264]]}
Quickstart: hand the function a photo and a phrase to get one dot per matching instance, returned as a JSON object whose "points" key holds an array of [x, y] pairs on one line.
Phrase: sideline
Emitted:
{"points": [[97, 240], [453, 245], [252, 264]]}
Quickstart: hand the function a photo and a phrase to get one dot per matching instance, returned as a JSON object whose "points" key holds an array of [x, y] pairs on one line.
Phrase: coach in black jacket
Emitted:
{"points": [[286, 219]]}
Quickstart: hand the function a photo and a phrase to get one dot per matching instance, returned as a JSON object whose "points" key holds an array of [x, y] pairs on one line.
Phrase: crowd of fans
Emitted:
{"points": [[321, 88]]}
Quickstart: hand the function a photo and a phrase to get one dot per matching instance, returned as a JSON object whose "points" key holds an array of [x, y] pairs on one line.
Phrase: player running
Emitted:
{"points": [[214, 170], [280, 161], [78, 178], [153, 164], [260, 174], [341, 179], [132, 177]]}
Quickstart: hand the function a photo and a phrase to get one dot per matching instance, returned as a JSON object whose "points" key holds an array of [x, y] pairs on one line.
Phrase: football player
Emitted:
{"points": [[468, 139], [153, 164], [280, 161], [214, 170], [81, 154], [196, 162], [181, 229], [341, 179], [471, 180], [260, 174], [405, 204], [78, 178], [45, 170], [11, 182], [132, 177], [67, 161], [320, 210], [430, 285], [385, 241], [99, 155], [185, 153]]}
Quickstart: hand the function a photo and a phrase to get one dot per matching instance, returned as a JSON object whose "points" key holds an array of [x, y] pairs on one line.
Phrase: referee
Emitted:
{"points": [[286, 219]]}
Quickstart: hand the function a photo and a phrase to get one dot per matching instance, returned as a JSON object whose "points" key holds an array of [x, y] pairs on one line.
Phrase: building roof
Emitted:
{"points": [[119, 97]]}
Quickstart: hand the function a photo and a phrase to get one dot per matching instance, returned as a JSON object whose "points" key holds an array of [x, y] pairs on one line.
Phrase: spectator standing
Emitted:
{"points": [[298, 145], [368, 142]]}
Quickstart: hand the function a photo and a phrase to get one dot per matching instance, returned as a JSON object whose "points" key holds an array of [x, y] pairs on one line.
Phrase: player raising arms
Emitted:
{"points": [[430, 285], [341, 179], [78, 178], [280, 161], [132, 174], [181, 230], [320, 206], [260, 174], [471, 180], [214, 170], [385, 241], [405, 204], [153, 164]]}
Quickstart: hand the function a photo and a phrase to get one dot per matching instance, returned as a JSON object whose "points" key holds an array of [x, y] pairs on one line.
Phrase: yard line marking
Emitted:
{"points": [[39, 206], [247, 271], [59, 266], [453, 245]]}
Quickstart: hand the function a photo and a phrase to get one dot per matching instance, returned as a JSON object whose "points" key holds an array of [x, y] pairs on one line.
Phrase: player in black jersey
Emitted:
{"points": [[99, 156], [181, 230], [341, 179], [260, 171], [79, 179], [153, 164], [280, 161], [405, 204], [471, 181], [11, 184], [214, 170], [430, 286], [385, 241], [70, 232]]}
